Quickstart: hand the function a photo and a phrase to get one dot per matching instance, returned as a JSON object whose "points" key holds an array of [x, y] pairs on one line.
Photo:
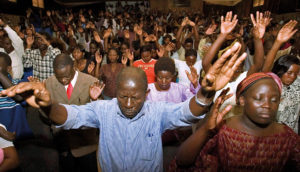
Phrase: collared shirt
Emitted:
{"points": [[74, 80], [42, 66], [130, 144], [16, 54]]}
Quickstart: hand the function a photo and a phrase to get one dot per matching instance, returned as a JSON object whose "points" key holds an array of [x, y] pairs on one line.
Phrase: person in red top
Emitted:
{"points": [[146, 63], [253, 141]]}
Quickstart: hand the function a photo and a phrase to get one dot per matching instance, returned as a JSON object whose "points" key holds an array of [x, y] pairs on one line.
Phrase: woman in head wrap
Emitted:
{"points": [[252, 141]]}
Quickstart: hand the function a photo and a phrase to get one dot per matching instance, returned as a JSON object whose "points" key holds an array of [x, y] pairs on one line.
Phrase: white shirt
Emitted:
{"points": [[74, 80], [5, 143], [16, 55], [232, 100], [182, 67]]}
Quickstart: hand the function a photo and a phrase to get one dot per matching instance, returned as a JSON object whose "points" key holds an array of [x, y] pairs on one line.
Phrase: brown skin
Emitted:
{"points": [[93, 48], [163, 80], [131, 97], [146, 56], [130, 92], [11, 159], [285, 33], [260, 104], [190, 60], [65, 74], [7, 135], [291, 75], [6, 43]]}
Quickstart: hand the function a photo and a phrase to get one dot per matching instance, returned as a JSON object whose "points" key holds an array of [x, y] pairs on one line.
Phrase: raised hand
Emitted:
{"points": [[35, 93], [91, 67], [126, 34], [267, 16], [43, 38], [215, 117], [124, 60], [193, 76], [170, 47], [30, 40], [129, 55], [98, 57], [223, 69], [107, 33], [211, 29], [287, 31], [160, 52], [259, 25], [185, 21], [96, 90], [96, 37], [82, 18], [228, 23], [70, 18], [191, 23], [48, 13]]}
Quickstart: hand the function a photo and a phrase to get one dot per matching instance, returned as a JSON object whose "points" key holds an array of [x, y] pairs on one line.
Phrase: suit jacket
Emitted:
{"points": [[80, 141]]}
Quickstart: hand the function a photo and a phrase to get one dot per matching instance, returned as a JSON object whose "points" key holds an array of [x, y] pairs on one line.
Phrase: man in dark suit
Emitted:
{"points": [[77, 148]]}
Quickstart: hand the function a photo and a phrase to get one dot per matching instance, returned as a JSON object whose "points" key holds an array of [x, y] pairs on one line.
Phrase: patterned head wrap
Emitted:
{"points": [[253, 78]]}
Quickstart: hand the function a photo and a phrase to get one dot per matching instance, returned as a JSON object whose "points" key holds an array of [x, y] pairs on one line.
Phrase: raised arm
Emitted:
{"points": [[227, 25], [258, 31], [178, 35], [216, 78], [285, 33], [36, 95], [189, 150]]}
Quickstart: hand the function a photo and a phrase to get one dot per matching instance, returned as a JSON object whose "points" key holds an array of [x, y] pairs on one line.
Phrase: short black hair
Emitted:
{"points": [[283, 64], [145, 48], [189, 40], [190, 52], [62, 60], [6, 58], [164, 64], [115, 41]]}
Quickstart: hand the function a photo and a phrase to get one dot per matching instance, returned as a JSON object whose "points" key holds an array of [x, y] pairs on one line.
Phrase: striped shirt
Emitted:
{"points": [[42, 66]]}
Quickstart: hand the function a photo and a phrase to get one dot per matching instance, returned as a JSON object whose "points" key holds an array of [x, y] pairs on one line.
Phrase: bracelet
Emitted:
{"points": [[199, 102]]}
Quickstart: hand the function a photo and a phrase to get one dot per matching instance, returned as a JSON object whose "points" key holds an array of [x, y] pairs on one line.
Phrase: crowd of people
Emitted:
{"points": [[112, 88]]}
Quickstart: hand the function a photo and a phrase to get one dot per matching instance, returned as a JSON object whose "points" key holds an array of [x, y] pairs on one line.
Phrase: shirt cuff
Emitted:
{"points": [[189, 115]]}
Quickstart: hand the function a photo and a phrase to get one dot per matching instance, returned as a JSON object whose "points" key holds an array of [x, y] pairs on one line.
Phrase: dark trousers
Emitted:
{"points": [[86, 163]]}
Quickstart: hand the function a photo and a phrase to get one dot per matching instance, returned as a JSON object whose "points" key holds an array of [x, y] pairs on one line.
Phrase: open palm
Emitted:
{"points": [[227, 23], [223, 69]]}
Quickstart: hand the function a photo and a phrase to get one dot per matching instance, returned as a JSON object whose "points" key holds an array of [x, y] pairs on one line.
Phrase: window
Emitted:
{"points": [[38, 3]]}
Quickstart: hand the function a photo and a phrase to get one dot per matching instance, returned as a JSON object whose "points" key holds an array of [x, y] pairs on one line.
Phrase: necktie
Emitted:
{"points": [[69, 90]]}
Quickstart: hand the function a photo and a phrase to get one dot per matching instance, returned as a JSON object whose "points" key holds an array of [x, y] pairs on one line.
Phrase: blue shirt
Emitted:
{"points": [[13, 114], [130, 144]]}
